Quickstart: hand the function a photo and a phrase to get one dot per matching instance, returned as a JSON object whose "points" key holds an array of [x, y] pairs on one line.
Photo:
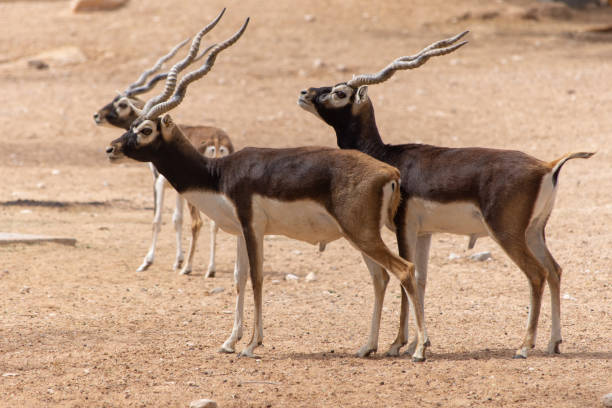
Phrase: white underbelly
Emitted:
{"points": [[462, 218], [216, 207], [304, 220]]}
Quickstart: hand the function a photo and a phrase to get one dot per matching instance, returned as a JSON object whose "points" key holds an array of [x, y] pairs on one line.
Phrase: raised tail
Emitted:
{"points": [[557, 164]]}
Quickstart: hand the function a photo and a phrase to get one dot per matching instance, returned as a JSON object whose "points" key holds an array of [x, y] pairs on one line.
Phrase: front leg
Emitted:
{"points": [[177, 220], [214, 229], [240, 277], [421, 260], [254, 244], [380, 278], [196, 225], [406, 243], [159, 186]]}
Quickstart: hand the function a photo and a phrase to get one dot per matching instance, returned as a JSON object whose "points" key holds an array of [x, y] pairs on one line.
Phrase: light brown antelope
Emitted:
{"points": [[505, 194], [313, 194], [209, 140]]}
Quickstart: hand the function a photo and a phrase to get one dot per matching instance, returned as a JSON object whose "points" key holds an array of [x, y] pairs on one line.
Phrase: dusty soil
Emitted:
{"points": [[78, 327]]}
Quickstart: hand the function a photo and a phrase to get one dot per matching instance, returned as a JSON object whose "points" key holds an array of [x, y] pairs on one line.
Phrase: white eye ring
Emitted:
{"points": [[210, 151]]}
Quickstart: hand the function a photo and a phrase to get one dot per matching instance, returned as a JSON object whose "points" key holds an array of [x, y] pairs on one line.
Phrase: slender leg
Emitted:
{"points": [[522, 256], [404, 271], [177, 220], [213, 246], [406, 242], [159, 202], [254, 244], [240, 277], [537, 244], [196, 226], [421, 260], [380, 278]]}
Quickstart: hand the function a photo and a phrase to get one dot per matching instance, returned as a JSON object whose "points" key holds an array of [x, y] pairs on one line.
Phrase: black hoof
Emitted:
{"points": [[427, 343], [519, 357], [418, 359]]}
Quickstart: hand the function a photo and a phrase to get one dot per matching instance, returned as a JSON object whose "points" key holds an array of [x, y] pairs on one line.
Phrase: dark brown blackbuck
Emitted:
{"points": [[505, 194], [312, 194], [209, 140]]}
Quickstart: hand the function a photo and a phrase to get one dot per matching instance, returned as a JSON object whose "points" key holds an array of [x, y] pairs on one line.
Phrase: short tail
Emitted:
{"points": [[557, 164], [393, 202]]}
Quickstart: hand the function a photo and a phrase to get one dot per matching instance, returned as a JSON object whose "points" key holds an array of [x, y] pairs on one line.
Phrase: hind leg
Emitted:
{"points": [[380, 278], [517, 249], [537, 244], [404, 271]]}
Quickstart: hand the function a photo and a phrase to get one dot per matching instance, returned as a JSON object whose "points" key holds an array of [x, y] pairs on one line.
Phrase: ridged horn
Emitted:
{"points": [[181, 90], [441, 47], [179, 66]]}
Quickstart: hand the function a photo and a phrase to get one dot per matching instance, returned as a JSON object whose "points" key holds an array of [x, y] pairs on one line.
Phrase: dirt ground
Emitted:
{"points": [[79, 327]]}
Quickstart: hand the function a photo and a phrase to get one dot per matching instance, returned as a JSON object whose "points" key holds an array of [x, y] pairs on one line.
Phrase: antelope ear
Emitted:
{"points": [[167, 121], [362, 94]]}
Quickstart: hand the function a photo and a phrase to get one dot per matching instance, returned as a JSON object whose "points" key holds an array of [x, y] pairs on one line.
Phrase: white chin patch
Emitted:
{"points": [[309, 107]]}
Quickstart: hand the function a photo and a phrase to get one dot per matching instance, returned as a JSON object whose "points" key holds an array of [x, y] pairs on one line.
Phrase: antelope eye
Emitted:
{"points": [[123, 105], [146, 131], [223, 150], [340, 94]]}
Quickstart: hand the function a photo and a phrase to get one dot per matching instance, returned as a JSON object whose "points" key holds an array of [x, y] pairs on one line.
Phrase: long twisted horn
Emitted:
{"points": [[143, 77], [181, 90], [160, 77], [179, 66], [442, 47]]}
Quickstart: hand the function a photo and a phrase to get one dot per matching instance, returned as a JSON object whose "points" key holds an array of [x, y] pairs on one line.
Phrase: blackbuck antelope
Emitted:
{"points": [[505, 194], [210, 141], [313, 194]]}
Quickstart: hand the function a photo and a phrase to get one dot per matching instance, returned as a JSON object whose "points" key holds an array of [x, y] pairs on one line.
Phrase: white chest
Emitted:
{"points": [[216, 207], [462, 218]]}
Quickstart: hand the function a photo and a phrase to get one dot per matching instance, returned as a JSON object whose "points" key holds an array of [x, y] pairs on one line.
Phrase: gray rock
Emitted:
{"points": [[203, 403]]}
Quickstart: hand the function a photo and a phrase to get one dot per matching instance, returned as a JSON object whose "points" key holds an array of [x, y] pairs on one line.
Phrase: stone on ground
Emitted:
{"points": [[10, 238], [96, 5], [203, 403]]}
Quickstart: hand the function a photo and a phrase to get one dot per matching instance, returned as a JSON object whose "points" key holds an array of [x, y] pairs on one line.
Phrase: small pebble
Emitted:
{"points": [[25, 289], [480, 256], [607, 400], [311, 277], [10, 375], [309, 18], [567, 296], [215, 291], [453, 256], [203, 403], [318, 63], [291, 277], [55, 172]]}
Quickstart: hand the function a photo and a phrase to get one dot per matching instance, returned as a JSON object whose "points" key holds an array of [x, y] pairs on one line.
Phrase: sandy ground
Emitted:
{"points": [[79, 327]]}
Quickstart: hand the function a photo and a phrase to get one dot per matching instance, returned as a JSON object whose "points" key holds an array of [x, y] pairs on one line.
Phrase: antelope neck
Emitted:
{"points": [[361, 133], [185, 168]]}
